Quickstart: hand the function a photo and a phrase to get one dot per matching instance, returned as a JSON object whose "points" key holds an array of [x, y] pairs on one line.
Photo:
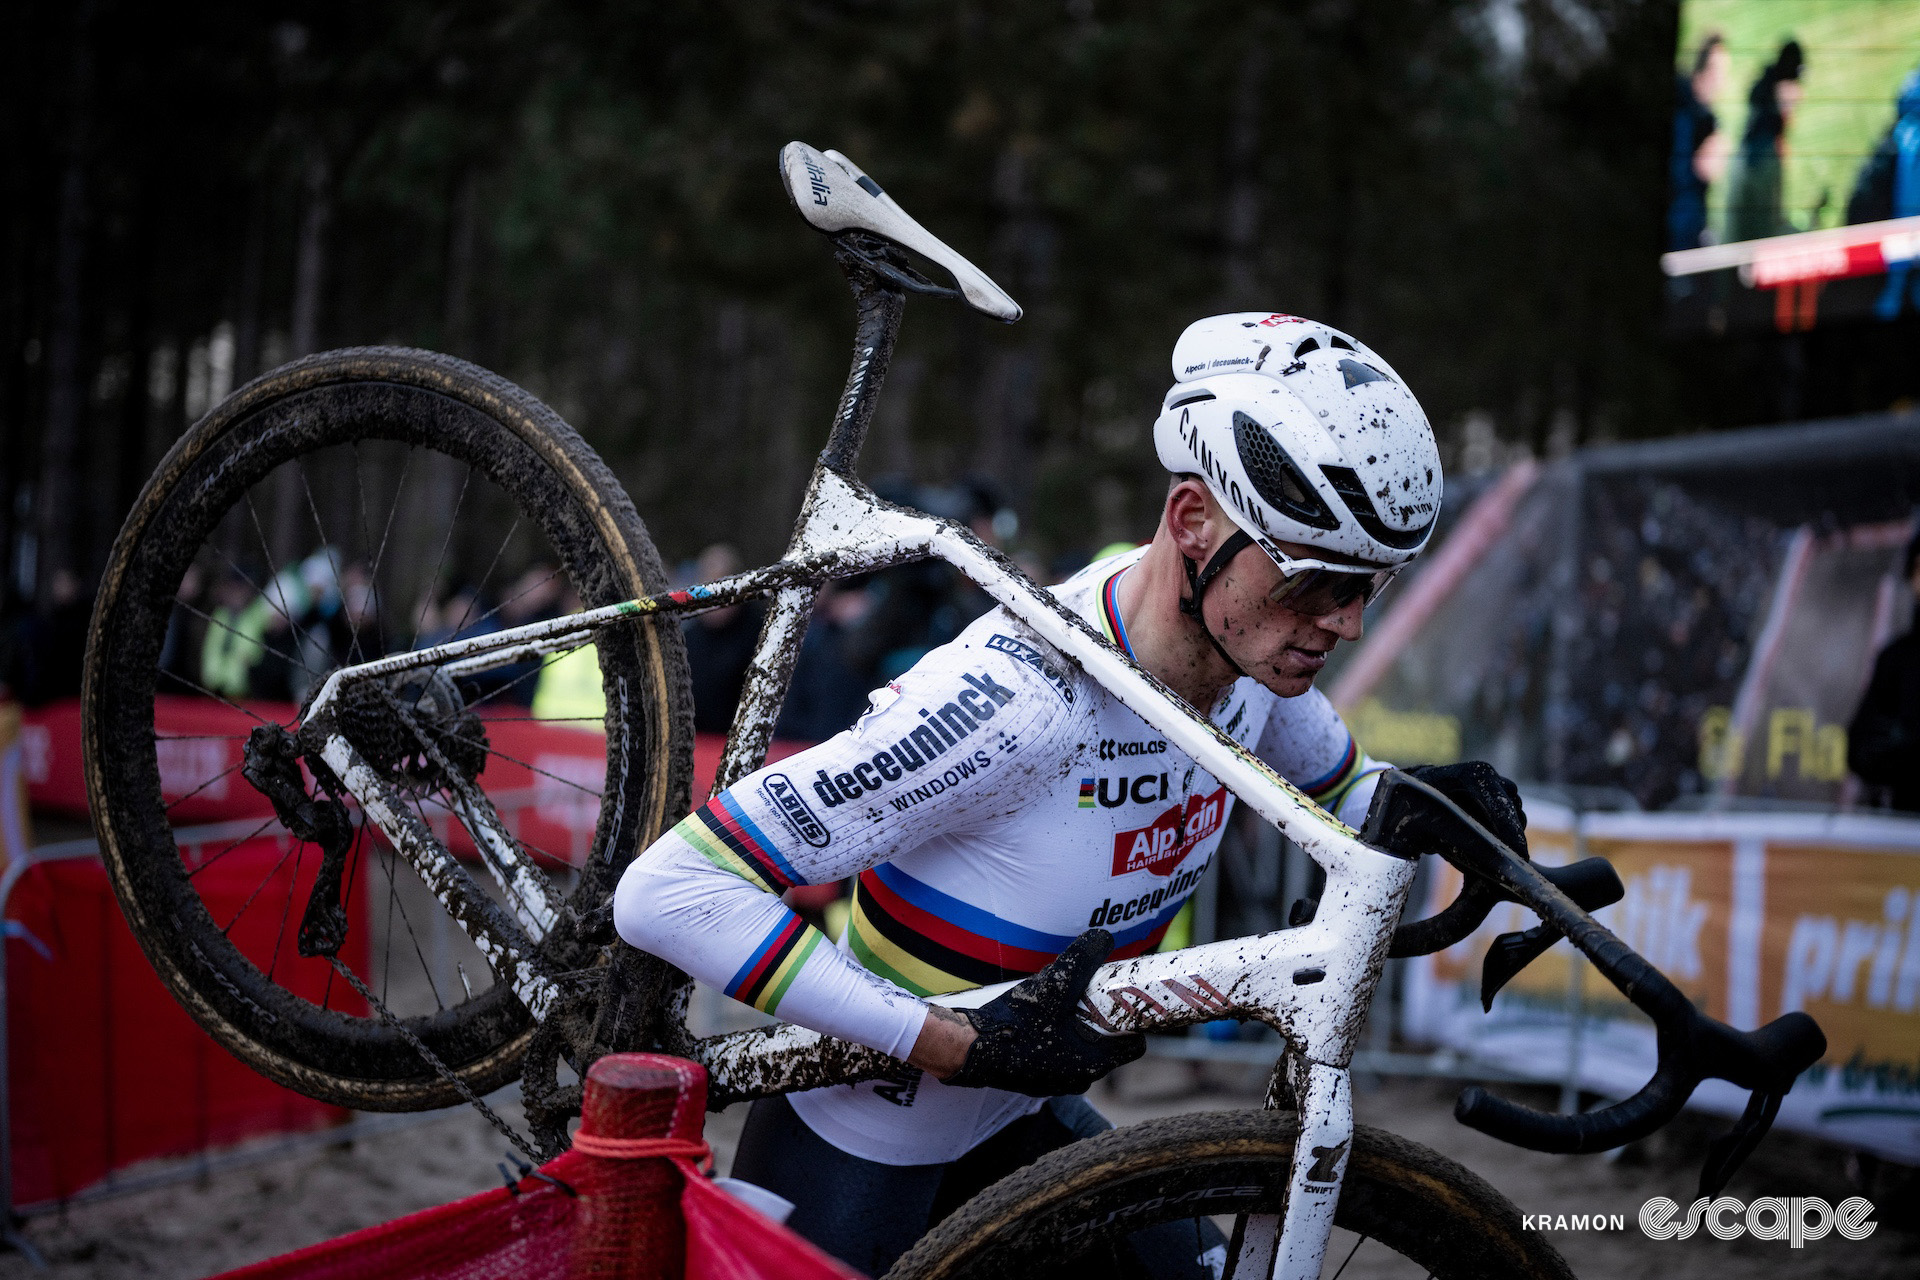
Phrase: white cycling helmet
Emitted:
{"points": [[1304, 436]]}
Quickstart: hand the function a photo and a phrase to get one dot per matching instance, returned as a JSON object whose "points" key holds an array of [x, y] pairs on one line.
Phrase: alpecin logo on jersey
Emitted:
{"points": [[1031, 656], [1172, 836], [794, 813], [945, 728]]}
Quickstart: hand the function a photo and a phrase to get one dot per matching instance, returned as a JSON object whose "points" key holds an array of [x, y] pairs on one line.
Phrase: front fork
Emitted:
{"points": [[1293, 1245]]}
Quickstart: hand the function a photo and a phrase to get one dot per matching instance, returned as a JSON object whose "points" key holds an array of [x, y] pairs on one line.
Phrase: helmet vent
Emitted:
{"points": [[1346, 483], [1356, 373], [1278, 482], [1342, 343], [1306, 345], [1192, 397]]}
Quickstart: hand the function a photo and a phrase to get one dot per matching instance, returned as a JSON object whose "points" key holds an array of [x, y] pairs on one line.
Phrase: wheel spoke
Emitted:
{"points": [[1356, 1248], [545, 662], [230, 848], [386, 533], [228, 927], [407, 923], [286, 909], [221, 697], [433, 580], [373, 575], [225, 626], [273, 579], [487, 577], [495, 751], [232, 768]]}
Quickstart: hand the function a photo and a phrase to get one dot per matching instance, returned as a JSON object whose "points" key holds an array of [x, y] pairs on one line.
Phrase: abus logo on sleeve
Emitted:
{"points": [[792, 808], [1172, 836]]}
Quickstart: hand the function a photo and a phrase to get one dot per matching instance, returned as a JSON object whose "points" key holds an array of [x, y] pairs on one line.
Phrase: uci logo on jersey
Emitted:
{"points": [[792, 808], [1114, 792]]}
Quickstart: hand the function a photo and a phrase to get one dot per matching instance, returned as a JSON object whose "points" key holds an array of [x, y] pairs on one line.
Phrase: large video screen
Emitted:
{"points": [[1794, 175]]}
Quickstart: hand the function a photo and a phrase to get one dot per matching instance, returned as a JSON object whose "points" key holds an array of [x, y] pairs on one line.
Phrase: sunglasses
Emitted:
{"points": [[1316, 588]]}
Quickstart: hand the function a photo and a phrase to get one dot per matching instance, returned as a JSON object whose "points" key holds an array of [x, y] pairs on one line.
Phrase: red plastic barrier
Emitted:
{"points": [[199, 757], [619, 1214], [105, 1068], [536, 775]]}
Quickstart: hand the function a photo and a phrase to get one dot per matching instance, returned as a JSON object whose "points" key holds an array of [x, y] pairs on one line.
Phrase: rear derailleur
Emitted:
{"points": [[271, 763]]}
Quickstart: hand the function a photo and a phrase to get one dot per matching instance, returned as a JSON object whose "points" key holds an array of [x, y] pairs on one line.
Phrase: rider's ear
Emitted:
{"points": [[1193, 518]]}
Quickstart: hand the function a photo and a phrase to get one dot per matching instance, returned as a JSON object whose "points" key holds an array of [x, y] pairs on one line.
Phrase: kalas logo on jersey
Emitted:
{"points": [[946, 727], [792, 808], [1110, 749], [1172, 836]]}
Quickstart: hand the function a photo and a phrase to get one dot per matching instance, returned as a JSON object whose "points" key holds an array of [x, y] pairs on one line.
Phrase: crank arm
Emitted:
{"points": [[508, 950]]}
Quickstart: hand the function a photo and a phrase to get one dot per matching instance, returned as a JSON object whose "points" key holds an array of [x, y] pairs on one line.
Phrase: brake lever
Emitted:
{"points": [[1508, 955], [1726, 1153], [1592, 883]]}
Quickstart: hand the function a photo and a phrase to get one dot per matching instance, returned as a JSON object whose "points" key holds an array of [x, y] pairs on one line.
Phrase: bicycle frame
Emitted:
{"points": [[1313, 984]]}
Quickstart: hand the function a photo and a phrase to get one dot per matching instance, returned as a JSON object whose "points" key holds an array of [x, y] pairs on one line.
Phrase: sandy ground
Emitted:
{"points": [[242, 1215]]}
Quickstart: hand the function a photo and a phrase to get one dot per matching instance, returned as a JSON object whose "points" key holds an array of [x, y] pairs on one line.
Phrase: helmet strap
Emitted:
{"points": [[1198, 580]]}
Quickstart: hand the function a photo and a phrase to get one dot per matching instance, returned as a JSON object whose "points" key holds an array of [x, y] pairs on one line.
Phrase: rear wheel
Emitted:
{"points": [[356, 503], [1082, 1210]]}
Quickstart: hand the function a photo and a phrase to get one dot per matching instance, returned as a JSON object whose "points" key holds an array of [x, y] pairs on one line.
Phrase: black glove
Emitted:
{"points": [[1030, 1040], [1487, 797]]}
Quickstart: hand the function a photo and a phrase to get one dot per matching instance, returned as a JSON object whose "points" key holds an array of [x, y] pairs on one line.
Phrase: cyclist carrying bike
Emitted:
{"points": [[1008, 818]]}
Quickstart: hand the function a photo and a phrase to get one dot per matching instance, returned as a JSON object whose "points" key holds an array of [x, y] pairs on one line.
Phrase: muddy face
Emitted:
{"points": [[1279, 647]]}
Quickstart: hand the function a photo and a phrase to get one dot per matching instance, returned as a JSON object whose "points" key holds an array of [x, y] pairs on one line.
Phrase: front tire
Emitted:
{"points": [[1072, 1212]]}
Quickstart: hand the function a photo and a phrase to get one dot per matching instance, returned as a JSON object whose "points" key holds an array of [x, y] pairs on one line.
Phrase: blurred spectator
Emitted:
{"points": [[314, 623], [719, 644], [1889, 187], [830, 683], [48, 649], [1699, 145], [1753, 200], [236, 629], [569, 687], [1883, 742]]}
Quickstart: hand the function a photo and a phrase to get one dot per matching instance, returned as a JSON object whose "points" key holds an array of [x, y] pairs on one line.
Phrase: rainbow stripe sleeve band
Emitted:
{"points": [[763, 980], [730, 840]]}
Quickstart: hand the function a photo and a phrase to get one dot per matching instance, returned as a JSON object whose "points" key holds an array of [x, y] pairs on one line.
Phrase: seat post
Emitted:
{"points": [[878, 307]]}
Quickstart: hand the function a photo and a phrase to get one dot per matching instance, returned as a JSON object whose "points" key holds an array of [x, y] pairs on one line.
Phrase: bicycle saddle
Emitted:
{"points": [[833, 195]]}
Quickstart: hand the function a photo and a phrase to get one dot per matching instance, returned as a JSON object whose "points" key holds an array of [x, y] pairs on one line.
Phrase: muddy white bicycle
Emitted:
{"points": [[377, 775]]}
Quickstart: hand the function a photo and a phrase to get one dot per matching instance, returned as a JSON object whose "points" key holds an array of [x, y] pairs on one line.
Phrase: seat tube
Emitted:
{"points": [[766, 686], [1319, 1167]]}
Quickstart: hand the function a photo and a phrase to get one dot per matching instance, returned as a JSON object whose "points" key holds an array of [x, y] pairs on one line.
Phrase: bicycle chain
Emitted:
{"points": [[445, 1072]]}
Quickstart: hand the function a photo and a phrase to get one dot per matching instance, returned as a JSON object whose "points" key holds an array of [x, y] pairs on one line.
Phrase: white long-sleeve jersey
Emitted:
{"points": [[993, 802]]}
